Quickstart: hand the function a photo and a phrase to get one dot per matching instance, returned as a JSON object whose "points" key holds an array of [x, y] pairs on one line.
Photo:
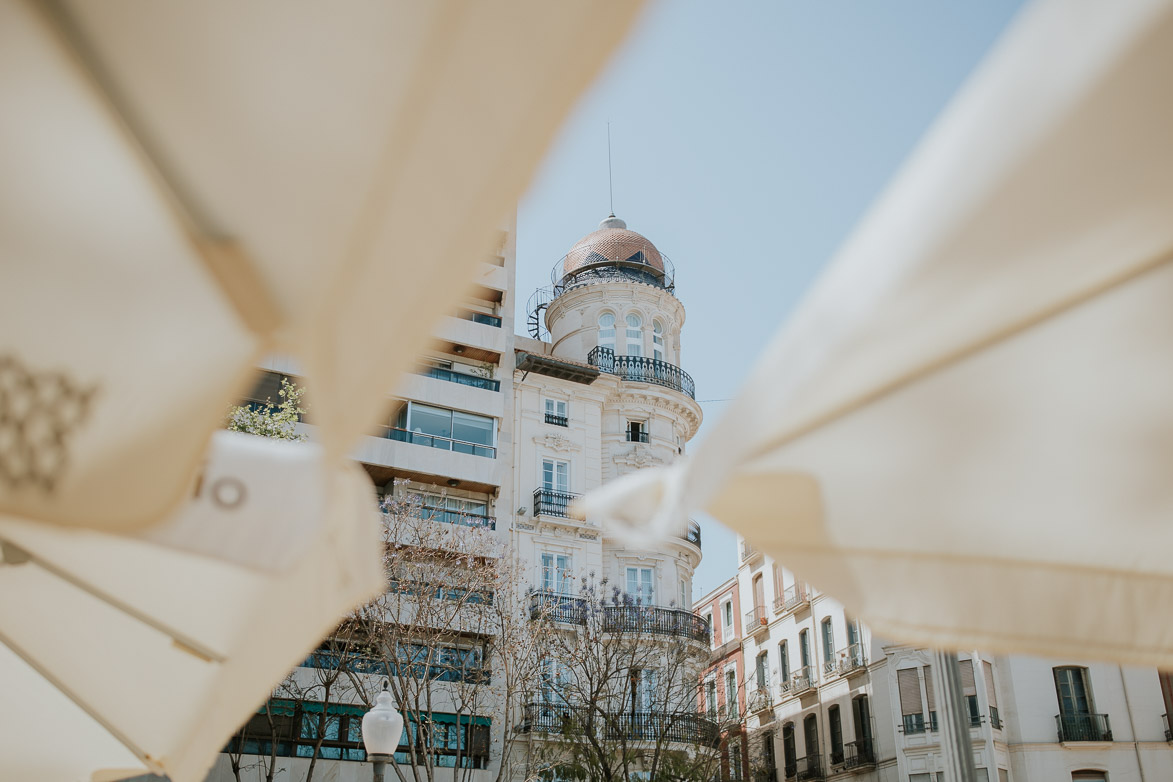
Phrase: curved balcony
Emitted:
{"points": [[650, 726], [641, 369], [645, 620]]}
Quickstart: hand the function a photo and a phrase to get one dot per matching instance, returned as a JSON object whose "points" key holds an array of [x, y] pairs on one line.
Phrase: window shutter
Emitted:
{"points": [[929, 695], [967, 684], [909, 683], [988, 672]]}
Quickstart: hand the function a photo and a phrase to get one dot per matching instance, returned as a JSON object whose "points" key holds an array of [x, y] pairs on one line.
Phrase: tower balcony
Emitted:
{"points": [[641, 369]]}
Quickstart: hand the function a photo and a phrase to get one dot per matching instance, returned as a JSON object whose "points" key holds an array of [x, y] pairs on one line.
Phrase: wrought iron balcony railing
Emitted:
{"points": [[810, 768], [557, 420], [792, 597], [802, 680], [1083, 727], [553, 503], [854, 755], [640, 726], [756, 619], [644, 620], [759, 699], [476, 381], [768, 774], [851, 659], [641, 369]]}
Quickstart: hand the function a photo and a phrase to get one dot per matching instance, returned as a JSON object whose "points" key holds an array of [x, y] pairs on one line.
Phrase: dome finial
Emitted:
{"points": [[611, 221]]}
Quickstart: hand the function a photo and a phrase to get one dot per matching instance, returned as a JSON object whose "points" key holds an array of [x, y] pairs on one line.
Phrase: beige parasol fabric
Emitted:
{"points": [[187, 187], [190, 185], [965, 432], [122, 656]]}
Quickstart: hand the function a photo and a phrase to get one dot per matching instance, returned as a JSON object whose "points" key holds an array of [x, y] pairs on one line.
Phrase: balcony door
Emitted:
{"points": [[1073, 692], [810, 735], [640, 585], [759, 597], [789, 752], [556, 475], [556, 573], [861, 717]]}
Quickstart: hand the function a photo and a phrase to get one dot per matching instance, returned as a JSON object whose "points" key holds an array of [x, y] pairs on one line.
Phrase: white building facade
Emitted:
{"points": [[838, 703]]}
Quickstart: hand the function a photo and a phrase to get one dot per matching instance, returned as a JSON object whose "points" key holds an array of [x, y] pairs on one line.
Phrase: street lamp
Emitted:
{"points": [[382, 727]]}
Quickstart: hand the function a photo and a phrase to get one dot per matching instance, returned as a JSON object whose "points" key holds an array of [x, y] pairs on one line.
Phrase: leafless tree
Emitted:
{"points": [[619, 694]]}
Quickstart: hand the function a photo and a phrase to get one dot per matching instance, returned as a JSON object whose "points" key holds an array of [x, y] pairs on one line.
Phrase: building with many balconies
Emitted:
{"points": [[838, 703]]}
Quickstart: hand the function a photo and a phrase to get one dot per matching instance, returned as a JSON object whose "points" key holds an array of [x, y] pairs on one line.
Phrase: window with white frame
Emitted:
{"points": [[685, 603], [449, 430], [640, 585], [657, 340], [556, 412], [607, 331], [712, 629], [556, 575], [711, 695], [635, 335], [731, 691], [727, 621], [556, 475], [735, 759], [452, 510]]}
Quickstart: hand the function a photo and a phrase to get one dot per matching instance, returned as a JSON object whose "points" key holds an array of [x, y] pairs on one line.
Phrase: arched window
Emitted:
{"points": [[635, 335], [804, 650], [607, 331], [657, 340]]}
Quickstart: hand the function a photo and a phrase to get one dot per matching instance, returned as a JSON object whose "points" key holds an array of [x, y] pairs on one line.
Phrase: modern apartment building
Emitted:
{"points": [[838, 703]]}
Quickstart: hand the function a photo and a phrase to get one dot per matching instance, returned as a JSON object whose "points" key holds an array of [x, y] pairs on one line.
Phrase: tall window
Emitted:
{"points": [[810, 735], [712, 630], [731, 691], [635, 335], [1073, 692], [835, 726], [607, 330], [908, 681], [735, 759], [759, 598], [969, 690], [643, 689], [789, 751], [784, 661], [931, 698], [762, 670], [556, 575], [804, 648], [685, 603], [852, 634], [657, 340], [711, 696], [991, 693], [727, 621], [640, 585], [555, 475], [828, 642]]}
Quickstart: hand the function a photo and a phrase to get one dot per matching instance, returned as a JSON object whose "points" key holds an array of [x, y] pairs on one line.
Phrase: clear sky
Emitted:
{"points": [[747, 140]]}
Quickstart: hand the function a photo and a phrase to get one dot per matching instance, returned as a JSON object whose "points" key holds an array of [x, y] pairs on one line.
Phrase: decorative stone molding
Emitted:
{"points": [[638, 458], [557, 442]]}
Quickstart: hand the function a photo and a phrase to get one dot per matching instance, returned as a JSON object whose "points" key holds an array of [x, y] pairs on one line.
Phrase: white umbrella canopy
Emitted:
{"points": [[190, 185], [965, 432]]}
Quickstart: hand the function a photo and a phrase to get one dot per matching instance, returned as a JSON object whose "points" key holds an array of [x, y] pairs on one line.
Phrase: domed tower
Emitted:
{"points": [[612, 306]]}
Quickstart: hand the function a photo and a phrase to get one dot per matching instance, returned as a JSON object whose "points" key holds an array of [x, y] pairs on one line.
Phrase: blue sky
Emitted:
{"points": [[748, 138]]}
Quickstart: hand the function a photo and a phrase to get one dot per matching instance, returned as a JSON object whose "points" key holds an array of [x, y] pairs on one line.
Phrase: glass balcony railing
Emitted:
{"points": [[436, 441], [482, 318], [476, 381]]}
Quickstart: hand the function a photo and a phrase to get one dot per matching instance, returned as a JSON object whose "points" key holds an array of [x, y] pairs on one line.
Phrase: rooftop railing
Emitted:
{"points": [[641, 369], [1083, 727]]}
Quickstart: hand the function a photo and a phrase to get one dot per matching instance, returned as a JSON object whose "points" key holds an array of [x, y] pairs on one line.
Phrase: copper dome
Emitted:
{"points": [[612, 243]]}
